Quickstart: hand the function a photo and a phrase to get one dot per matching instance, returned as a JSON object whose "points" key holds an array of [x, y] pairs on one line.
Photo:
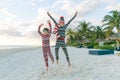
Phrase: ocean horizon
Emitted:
{"points": [[16, 46], [6, 50]]}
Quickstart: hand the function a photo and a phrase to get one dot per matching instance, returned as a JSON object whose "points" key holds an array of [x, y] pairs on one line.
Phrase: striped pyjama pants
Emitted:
{"points": [[46, 53], [61, 43]]}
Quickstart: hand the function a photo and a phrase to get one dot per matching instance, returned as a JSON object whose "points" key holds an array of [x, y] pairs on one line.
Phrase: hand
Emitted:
{"points": [[48, 13], [48, 21], [58, 35], [76, 13], [41, 24], [54, 32]]}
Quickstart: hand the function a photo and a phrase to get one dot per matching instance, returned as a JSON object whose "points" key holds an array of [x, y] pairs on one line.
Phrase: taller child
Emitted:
{"points": [[59, 30]]}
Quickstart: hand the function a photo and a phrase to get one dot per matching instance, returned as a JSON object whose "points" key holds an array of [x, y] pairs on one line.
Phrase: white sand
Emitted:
{"points": [[29, 65]]}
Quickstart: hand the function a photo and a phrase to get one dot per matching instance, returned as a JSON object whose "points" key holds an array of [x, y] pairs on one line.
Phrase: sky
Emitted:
{"points": [[19, 19]]}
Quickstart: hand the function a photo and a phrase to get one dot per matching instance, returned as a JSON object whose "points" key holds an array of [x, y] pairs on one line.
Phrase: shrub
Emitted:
{"points": [[75, 44], [104, 47]]}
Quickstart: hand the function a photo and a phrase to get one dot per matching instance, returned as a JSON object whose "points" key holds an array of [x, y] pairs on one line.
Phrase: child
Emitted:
{"points": [[46, 43], [59, 30]]}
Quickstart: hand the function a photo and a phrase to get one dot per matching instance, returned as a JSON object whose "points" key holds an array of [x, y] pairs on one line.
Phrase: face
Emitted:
{"points": [[45, 32], [61, 23]]}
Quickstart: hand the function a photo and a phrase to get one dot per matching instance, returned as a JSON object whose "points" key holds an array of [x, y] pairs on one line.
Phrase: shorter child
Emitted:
{"points": [[46, 43]]}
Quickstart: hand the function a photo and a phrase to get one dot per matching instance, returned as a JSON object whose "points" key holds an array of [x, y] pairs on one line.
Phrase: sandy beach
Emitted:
{"points": [[28, 64]]}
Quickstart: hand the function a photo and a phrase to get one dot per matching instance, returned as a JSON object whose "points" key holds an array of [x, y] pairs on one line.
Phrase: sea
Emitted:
{"points": [[15, 46]]}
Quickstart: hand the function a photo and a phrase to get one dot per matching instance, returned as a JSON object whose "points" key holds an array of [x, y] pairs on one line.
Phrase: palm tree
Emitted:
{"points": [[77, 37], [84, 32], [70, 34], [112, 21], [84, 28], [108, 31], [99, 32]]}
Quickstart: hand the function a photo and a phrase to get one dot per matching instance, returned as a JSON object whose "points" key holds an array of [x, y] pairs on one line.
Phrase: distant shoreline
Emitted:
{"points": [[11, 50], [16, 46]]}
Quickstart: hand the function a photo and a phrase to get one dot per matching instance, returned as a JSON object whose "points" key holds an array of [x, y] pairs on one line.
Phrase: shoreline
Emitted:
{"points": [[8, 51]]}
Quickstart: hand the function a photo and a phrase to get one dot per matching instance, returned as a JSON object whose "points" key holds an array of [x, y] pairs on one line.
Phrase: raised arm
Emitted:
{"points": [[50, 26], [39, 29], [72, 18], [52, 18], [55, 29]]}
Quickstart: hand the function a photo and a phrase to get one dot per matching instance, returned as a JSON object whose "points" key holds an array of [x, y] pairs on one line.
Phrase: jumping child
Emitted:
{"points": [[59, 30], [46, 43]]}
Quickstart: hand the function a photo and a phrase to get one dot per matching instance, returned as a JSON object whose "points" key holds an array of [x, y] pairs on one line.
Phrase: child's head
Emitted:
{"points": [[61, 21], [45, 30]]}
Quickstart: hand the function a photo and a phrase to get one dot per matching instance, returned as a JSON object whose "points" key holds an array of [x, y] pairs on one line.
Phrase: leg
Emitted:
{"points": [[46, 59], [50, 55], [56, 52], [66, 54]]}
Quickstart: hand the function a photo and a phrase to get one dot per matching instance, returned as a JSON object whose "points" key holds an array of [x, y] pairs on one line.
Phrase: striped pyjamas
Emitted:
{"points": [[60, 42], [46, 45]]}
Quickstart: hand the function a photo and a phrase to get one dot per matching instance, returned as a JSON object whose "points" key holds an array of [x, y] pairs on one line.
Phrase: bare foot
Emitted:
{"points": [[69, 64], [52, 61], [57, 61], [46, 68]]}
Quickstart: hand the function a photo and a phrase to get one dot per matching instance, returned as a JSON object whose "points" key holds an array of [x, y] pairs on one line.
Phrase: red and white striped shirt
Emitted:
{"points": [[45, 37]]}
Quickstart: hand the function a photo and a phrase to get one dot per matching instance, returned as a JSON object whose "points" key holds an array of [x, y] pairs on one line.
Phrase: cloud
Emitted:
{"points": [[84, 7], [68, 7], [24, 31], [40, 0], [43, 17], [115, 7], [110, 5], [25, 24], [29, 28], [108, 1], [64, 5], [32, 34], [33, 2], [10, 32], [6, 13], [42, 13], [10, 40], [21, 32], [17, 28]]}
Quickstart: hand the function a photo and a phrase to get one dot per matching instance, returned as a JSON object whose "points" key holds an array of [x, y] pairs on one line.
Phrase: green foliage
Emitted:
{"points": [[110, 42], [112, 21], [104, 47], [90, 32], [75, 44]]}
